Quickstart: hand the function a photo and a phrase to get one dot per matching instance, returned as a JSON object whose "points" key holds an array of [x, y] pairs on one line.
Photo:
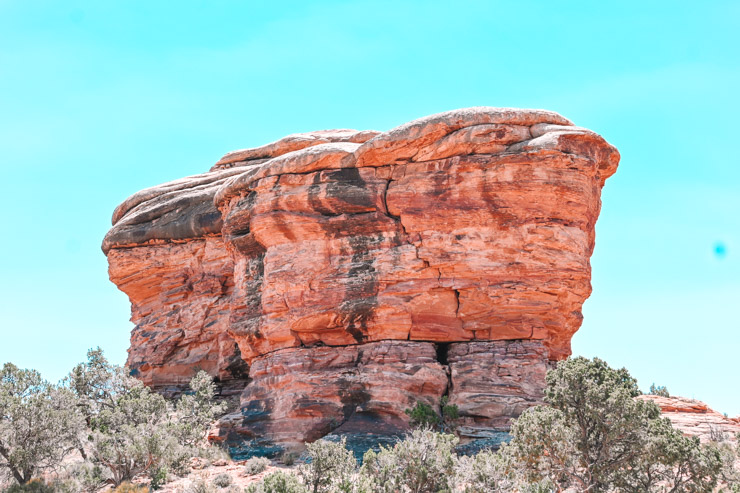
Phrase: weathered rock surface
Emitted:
{"points": [[695, 418], [351, 274]]}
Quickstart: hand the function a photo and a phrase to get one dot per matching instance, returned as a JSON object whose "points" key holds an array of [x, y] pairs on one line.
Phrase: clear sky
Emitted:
{"points": [[101, 99]]}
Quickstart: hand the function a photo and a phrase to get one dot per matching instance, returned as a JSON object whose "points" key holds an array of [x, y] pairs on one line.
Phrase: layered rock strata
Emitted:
{"points": [[349, 275], [695, 418]]}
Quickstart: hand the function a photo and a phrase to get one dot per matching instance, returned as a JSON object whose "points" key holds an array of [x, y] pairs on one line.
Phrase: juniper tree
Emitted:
{"points": [[38, 423], [594, 436]]}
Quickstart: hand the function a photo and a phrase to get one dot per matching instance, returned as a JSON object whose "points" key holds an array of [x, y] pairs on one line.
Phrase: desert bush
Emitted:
{"points": [[595, 436], [660, 390], [127, 487], [200, 485], [223, 480], [421, 463], [487, 472], [255, 465], [35, 485], [288, 458], [424, 416], [196, 410], [38, 423], [729, 474], [278, 482], [331, 467], [133, 430], [88, 477]]}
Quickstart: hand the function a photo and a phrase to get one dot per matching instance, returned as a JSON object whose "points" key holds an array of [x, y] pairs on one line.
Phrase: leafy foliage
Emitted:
{"points": [[660, 390], [38, 423], [424, 416], [421, 463], [331, 467], [278, 482], [132, 430], [255, 465], [489, 472], [594, 436]]}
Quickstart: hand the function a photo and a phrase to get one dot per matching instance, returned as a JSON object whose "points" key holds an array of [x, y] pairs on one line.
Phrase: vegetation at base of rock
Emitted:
{"points": [[121, 428], [331, 467], [424, 416], [38, 423], [423, 462], [593, 435], [255, 465], [278, 482], [288, 458], [660, 390]]}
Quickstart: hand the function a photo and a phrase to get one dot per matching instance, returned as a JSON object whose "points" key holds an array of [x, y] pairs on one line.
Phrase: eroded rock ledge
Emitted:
{"points": [[338, 277]]}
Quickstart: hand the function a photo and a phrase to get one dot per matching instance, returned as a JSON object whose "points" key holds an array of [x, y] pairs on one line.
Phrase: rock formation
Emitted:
{"points": [[695, 418], [339, 277]]}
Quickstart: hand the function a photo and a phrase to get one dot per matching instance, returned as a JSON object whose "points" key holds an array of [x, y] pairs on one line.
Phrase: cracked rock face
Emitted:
{"points": [[342, 276]]}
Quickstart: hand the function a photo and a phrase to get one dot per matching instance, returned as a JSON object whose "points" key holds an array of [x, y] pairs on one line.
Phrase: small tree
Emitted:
{"points": [[38, 423], [196, 410], [595, 436], [671, 462], [331, 467], [660, 390], [133, 430]]}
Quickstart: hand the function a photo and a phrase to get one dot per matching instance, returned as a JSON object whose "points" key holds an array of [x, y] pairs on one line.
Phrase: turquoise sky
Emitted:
{"points": [[100, 99]]}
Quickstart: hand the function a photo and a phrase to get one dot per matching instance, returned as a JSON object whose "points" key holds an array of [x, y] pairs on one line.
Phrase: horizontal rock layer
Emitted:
{"points": [[695, 418], [467, 232], [301, 394]]}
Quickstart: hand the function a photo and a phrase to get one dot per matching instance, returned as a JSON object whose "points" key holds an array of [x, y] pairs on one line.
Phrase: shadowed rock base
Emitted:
{"points": [[362, 392]]}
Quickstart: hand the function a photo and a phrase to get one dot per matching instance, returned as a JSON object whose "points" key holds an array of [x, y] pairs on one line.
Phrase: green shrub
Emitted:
{"points": [[660, 390], [33, 486], [331, 467], [423, 462], [288, 458], [278, 482], [133, 430], [423, 416], [595, 436], [127, 487], [158, 477], [89, 478], [39, 423], [255, 465], [223, 480]]}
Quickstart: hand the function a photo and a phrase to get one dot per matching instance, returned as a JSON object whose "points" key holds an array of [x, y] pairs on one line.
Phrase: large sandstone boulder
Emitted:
{"points": [[339, 277]]}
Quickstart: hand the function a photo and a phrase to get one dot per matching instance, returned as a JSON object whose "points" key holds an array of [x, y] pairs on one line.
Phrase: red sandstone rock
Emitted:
{"points": [[179, 302], [695, 418], [493, 381], [472, 227]]}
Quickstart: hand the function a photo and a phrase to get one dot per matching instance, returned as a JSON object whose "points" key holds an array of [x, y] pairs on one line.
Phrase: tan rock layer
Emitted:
{"points": [[695, 418]]}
